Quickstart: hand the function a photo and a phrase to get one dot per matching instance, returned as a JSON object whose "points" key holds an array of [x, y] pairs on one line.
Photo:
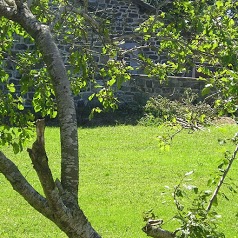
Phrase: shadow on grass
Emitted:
{"points": [[110, 118]]}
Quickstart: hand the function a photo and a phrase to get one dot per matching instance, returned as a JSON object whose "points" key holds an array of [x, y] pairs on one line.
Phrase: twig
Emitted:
{"points": [[212, 95], [188, 125]]}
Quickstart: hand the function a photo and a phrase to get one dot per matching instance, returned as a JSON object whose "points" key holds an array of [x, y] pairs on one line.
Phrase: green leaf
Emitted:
{"points": [[179, 192], [94, 110], [192, 187], [195, 190], [37, 107], [206, 91], [219, 4], [16, 148], [91, 97], [53, 114], [11, 87], [111, 82], [207, 192], [180, 207], [20, 107], [202, 118], [210, 182]]}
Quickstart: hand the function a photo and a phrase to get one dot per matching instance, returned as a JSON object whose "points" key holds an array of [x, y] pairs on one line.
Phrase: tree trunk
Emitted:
{"points": [[61, 198], [70, 220]]}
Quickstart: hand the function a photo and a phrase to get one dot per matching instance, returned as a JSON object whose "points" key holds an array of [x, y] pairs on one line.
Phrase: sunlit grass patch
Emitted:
{"points": [[123, 174]]}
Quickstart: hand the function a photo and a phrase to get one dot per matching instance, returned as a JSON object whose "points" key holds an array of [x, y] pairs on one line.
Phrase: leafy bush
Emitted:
{"points": [[160, 109]]}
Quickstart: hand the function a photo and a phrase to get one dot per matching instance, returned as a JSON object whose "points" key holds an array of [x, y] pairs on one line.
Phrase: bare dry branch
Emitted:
{"points": [[156, 231]]}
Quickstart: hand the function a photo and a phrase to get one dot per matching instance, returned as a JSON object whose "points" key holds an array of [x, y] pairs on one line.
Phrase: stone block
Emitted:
{"points": [[154, 57], [140, 82], [125, 89], [155, 83], [173, 82], [21, 47], [30, 95], [133, 15], [134, 89], [158, 91], [14, 81], [31, 47], [149, 84]]}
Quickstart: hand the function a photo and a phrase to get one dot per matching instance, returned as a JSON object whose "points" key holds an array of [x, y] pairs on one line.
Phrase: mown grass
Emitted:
{"points": [[123, 174]]}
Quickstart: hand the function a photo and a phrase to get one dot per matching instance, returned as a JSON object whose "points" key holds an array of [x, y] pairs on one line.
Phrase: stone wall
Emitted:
{"points": [[124, 16], [135, 93], [141, 87]]}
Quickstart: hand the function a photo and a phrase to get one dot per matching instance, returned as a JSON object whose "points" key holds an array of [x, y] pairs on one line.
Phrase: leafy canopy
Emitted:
{"points": [[198, 34], [72, 30], [201, 34]]}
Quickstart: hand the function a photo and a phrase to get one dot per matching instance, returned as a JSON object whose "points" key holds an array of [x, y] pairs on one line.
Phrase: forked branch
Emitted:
{"points": [[40, 161], [21, 185]]}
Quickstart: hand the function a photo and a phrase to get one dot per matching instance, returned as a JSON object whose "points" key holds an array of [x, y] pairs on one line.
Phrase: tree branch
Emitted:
{"points": [[19, 3], [40, 161], [21, 185], [65, 104], [85, 15], [7, 9], [222, 179]]}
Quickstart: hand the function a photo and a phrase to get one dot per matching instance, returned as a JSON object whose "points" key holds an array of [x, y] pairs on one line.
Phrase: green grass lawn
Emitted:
{"points": [[123, 174]]}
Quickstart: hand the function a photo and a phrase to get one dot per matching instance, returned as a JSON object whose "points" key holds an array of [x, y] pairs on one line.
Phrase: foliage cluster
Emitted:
{"points": [[69, 28], [201, 35], [199, 219], [160, 109], [195, 220]]}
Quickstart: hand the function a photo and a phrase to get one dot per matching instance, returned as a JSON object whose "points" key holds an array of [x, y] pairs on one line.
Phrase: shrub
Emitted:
{"points": [[160, 109]]}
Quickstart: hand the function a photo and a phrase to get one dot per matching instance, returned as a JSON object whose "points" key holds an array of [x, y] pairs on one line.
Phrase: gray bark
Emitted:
{"points": [[65, 104], [61, 198], [21, 185]]}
